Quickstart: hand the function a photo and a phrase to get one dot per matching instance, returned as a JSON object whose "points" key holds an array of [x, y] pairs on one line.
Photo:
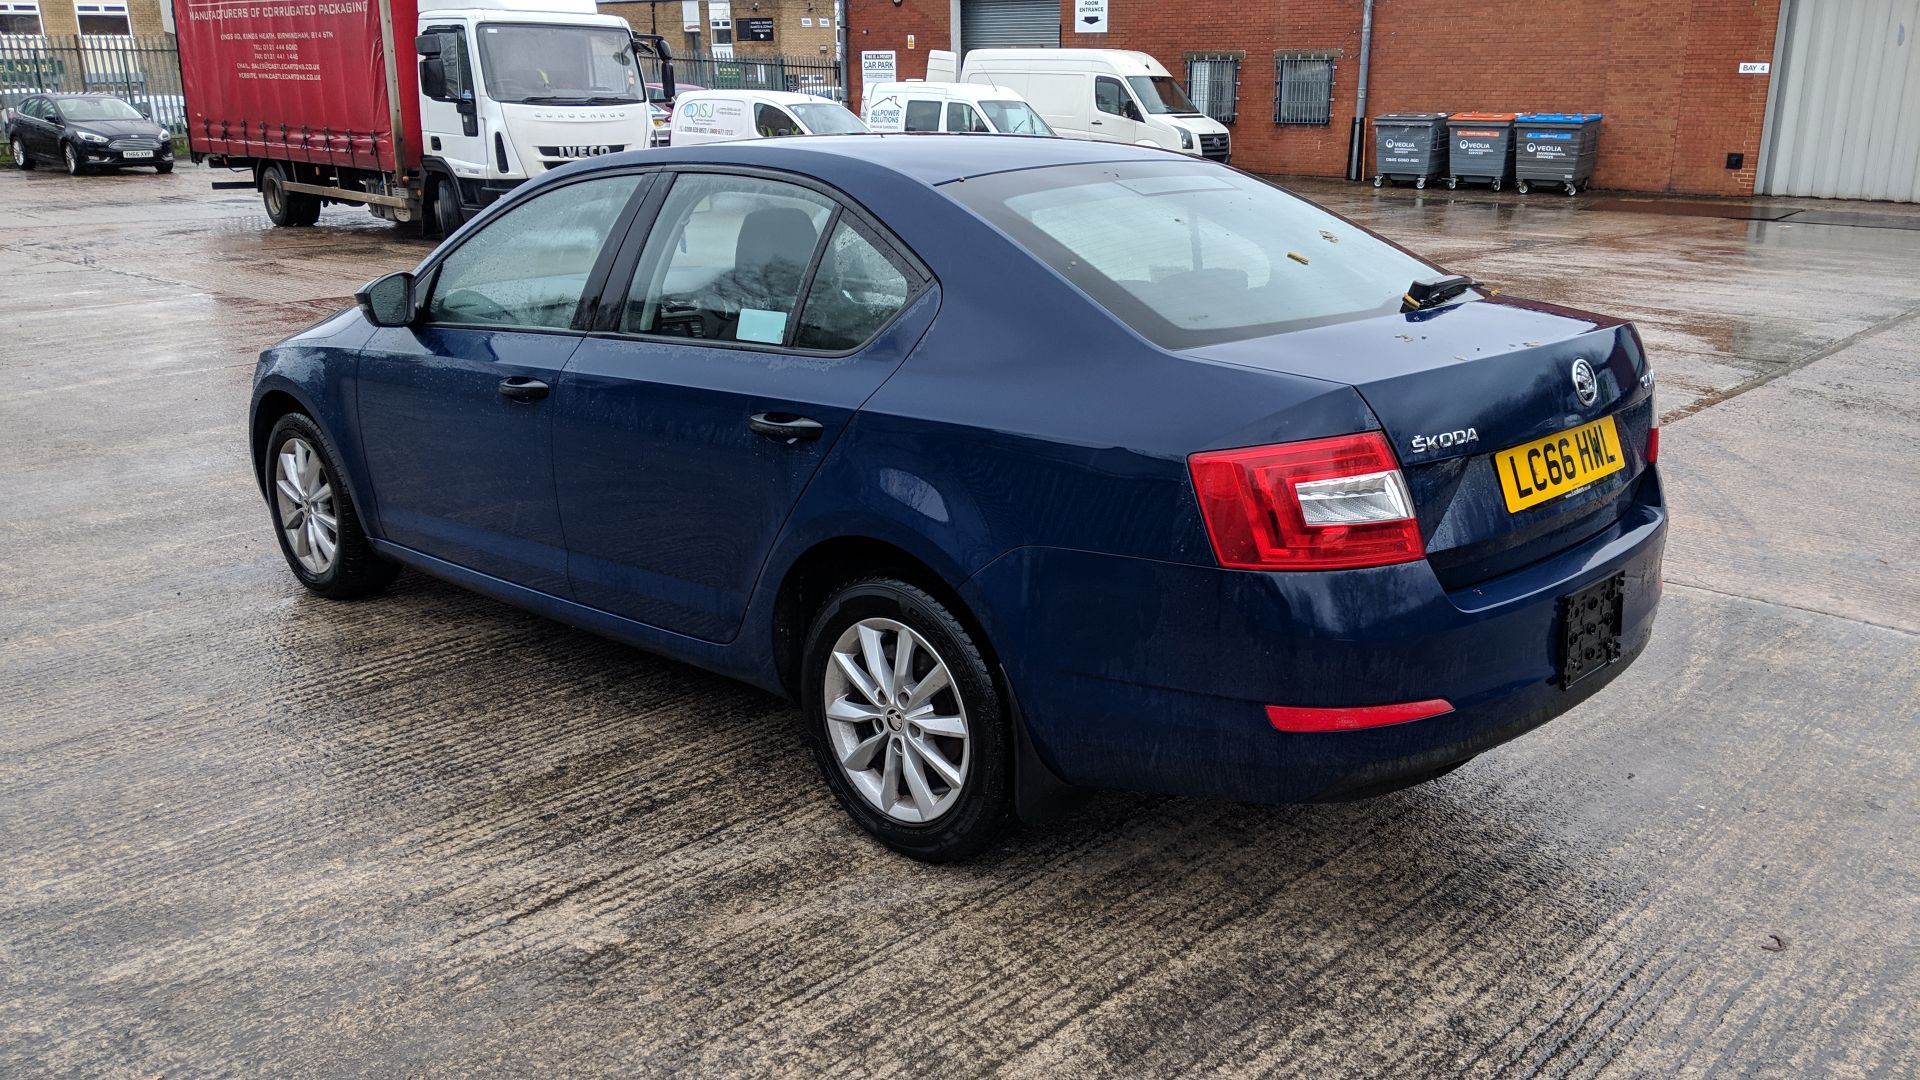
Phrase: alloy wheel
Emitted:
{"points": [[73, 161], [303, 493], [19, 154], [895, 721]]}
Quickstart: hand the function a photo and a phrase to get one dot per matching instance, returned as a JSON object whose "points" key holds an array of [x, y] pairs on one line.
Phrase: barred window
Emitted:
{"points": [[1213, 82], [1302, 88]]}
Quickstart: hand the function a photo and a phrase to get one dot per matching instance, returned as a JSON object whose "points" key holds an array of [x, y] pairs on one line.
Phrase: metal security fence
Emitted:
{"points": [[143, 71], [804, 74], [1302, 88]]}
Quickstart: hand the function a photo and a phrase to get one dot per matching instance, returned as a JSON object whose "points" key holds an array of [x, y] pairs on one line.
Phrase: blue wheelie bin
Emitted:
{"points": [[1555, 148]]}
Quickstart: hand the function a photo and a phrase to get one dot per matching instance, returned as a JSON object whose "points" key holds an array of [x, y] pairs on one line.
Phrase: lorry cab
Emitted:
{"points": [[964, 108], [512, 88], [1106, 95], [710, 116]]}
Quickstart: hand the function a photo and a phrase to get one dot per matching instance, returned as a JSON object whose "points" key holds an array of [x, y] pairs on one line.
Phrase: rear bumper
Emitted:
{"points": [[1156, 676]]}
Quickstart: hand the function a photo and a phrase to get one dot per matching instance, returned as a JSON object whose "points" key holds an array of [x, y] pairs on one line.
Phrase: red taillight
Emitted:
{"points": [[1323, 504], [1653, 445], [1289, 718]]}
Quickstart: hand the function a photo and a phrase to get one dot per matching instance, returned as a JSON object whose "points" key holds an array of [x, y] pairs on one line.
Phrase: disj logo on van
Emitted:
{"points": [[699, 110]]}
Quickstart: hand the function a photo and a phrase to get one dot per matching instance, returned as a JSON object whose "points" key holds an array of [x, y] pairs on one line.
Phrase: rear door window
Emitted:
{"points": [[726, 260], [923, 116], [857, 290]]}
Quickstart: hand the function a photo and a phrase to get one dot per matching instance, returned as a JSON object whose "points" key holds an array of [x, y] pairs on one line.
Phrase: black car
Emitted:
{"points": [[85, 131]]}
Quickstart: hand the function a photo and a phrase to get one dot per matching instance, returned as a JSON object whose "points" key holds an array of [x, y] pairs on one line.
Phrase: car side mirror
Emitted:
{"points": [[144, 109], [387, 301], [433, 78]]}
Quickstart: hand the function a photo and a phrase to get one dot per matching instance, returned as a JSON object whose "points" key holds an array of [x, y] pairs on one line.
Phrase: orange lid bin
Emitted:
{"points": [[1483, 117]]}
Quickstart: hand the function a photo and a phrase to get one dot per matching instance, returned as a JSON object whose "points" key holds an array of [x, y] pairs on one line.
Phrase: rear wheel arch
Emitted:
{"points": [[813, 577]]}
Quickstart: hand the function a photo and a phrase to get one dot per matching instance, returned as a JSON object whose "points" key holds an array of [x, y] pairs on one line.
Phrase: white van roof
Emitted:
{"points": [[773, 97], [963, 91], [1123, 61]]}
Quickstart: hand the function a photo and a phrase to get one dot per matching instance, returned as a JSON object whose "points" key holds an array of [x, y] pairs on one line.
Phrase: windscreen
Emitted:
{"points": [[827, 118], [1159, 94], [1014, 118], [558, 65], [104, 108], [1190, 253]]}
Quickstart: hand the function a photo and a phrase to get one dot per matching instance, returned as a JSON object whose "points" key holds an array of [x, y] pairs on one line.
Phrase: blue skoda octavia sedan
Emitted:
{"points": [[1024, 465]]}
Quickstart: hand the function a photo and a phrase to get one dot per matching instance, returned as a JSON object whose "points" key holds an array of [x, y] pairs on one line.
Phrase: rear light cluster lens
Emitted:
{"points": [[1323, 504], [1653, 445]]}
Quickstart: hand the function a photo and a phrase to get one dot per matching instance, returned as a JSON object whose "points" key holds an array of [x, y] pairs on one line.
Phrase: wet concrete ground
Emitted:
{"points": [[248, 831]]}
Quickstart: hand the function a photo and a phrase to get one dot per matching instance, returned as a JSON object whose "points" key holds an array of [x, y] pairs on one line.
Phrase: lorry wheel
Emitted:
{"points": [[446, 209], [289, 209]]}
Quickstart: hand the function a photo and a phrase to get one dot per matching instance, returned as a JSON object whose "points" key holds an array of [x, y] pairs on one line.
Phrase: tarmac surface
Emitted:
{"points": [[248, 831]]}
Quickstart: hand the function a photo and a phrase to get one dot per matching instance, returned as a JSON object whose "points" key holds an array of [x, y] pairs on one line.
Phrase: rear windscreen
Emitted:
{"points": [[1190, 253]]}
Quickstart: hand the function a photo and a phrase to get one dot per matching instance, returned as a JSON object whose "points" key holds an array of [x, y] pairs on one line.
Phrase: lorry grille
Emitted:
{"points": [[1215, 147]]}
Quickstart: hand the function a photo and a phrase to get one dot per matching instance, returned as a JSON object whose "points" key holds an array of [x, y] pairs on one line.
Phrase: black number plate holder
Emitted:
{"points": [[1590, 628]]}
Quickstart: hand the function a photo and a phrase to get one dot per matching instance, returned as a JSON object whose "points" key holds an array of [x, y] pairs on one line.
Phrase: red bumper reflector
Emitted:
{"points": [[1653, 446], [1288, 718]]}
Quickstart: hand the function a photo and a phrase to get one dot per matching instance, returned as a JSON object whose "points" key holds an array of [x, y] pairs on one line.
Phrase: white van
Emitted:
{"points": [[969, 108], [1111, 95], [708, 116]]}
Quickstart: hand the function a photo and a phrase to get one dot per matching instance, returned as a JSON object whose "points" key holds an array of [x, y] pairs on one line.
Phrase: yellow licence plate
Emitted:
{"points": [[1548, 468]]}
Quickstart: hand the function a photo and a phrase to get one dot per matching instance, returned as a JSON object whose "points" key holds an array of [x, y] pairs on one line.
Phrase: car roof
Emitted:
{"points": [[929, 159], [964, 91]]}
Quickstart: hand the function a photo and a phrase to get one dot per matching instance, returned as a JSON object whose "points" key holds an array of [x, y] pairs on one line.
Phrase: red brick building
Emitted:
{"points": [[1668, 74]]}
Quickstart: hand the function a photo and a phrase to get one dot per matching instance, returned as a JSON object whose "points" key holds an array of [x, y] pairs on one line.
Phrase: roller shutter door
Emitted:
{"points": [[1000, 24], [1844, 121]]}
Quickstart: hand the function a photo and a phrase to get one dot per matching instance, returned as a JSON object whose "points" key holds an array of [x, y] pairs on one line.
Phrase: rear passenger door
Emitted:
{"points": [[742, 328]]}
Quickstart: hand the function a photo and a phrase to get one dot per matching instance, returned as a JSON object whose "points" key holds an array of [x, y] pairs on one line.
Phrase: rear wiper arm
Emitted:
{"points": [[1433, 291]]}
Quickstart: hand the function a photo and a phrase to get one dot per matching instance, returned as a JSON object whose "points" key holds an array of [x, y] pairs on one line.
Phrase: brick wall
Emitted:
{"points": [[1665, 72], [789, 36]]}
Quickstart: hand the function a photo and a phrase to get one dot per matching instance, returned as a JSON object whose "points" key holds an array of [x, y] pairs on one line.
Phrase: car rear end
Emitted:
{"points": [[1475, 553]]}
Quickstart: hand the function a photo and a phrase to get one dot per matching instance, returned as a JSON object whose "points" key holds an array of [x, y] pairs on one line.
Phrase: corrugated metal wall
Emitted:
{"points": [[1844, 121], [995, 24]]}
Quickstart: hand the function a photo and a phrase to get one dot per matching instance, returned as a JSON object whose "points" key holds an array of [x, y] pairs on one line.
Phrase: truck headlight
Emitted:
{"points": [[1186, 139], [89, 136]]}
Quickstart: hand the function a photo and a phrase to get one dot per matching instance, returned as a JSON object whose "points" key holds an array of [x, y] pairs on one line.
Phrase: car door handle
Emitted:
{"points": [[784, 426], [521, 388]]}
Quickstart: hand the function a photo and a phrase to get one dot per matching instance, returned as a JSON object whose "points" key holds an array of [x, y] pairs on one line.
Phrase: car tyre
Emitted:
{"points": [[305, 491], [75, 166], [883, 765], [21, 159]]}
